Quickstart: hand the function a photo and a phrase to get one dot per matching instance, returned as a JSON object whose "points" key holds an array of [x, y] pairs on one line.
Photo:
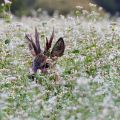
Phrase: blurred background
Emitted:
{"points": [[29, 7]]}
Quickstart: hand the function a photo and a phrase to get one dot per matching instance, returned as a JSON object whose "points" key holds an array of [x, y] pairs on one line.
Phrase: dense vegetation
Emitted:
{"points": [[28, 7], [89, 70]]}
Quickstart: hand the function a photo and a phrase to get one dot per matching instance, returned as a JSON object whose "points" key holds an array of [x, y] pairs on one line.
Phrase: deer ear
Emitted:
{"points": [[58, 48], [37, 41], [32, 46]]}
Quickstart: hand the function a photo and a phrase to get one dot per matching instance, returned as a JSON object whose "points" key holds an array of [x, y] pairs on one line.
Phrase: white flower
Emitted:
{"points": [[92, 5], [98, 79], [81, 58], [111, 57], [82, 81], [79, 7], [52, 100], [7, 1], [100, 8], [11, 78]]}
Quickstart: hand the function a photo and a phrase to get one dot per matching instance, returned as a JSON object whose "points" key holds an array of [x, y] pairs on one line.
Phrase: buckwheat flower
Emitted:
{"points": [[107, 101], [52, 100], [11, 78], [85, 12], [7, 1], [82, 81], [111, 57], [4, 95], [62, 17], [98, 79], [100, 8], [92, 5], [81, 58], [79, 7]]}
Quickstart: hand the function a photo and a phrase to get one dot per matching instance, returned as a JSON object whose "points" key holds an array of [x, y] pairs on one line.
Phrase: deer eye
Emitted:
{"points": [[47, 65]]}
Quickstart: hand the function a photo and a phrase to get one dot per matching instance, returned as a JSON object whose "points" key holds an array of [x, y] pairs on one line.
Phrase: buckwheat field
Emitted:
{"points": [[89, 70]]}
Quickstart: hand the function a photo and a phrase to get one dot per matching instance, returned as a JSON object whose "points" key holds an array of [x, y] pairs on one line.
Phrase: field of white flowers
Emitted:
{"points": [[89, 88]]}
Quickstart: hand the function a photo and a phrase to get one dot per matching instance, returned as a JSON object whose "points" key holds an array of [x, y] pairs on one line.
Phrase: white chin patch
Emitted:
{"points": [[31, 71]]}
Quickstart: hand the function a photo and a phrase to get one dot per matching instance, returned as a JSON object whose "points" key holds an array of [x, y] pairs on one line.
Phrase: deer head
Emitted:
{"points": [[42, 57]]}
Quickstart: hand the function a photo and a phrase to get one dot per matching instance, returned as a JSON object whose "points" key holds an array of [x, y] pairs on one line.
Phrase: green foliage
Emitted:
{"points": [[5, 11]]}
